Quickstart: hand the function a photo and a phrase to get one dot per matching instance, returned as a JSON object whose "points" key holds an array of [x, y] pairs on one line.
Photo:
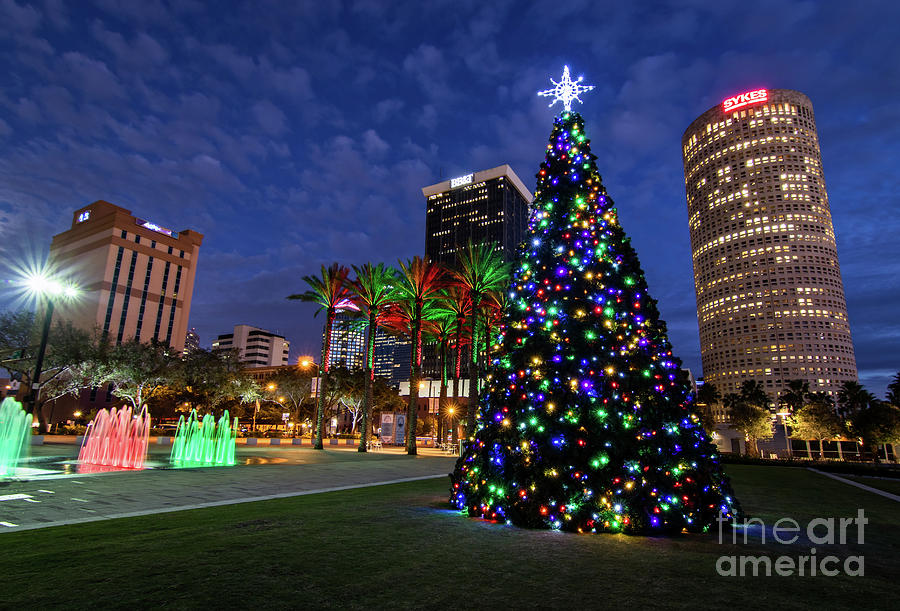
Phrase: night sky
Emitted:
{"points": [[293, 134]]}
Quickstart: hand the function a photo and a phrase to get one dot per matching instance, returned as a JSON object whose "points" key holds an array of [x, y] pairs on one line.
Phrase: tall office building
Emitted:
{"points": [[191, 342], [136, 277], [392, 357], [770, 300], [256, 347], [348, 343], [490, 206]]}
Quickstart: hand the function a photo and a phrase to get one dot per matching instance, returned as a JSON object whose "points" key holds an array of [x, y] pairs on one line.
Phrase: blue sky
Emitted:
{"points": [[293, 134]]}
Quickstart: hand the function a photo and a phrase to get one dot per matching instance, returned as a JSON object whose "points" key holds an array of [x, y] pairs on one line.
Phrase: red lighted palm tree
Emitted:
{"points": [[331, 294], [418, 285]]}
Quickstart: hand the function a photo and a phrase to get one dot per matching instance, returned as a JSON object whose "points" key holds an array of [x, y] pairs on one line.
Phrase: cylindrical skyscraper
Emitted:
{"points": [[770, 301]]}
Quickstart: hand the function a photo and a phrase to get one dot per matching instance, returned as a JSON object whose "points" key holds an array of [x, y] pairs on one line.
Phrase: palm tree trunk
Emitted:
{"points": [[472, 406], [454, 432], [442, 401], [370, 391], [323, 381], [412, 411]]}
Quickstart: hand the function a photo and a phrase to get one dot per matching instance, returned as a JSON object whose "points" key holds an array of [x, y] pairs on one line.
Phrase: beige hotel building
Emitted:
{"points": [[770, 300], [135, 277]]}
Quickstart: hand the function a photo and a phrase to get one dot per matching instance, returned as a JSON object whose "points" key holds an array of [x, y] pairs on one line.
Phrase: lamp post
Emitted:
{"points": [[452, 430], [306, 362], [47, 289]]}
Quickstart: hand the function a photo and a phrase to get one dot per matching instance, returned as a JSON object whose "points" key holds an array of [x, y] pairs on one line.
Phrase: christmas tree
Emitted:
{"points": [[586, 423]]}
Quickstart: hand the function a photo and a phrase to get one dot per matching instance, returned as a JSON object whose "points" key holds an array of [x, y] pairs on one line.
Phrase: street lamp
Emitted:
{"points": [[450, 412], [48, 289], [305, 362]]}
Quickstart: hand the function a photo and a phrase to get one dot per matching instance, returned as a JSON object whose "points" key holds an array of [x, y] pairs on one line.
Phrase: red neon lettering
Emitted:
{"points": [[745, 99]]}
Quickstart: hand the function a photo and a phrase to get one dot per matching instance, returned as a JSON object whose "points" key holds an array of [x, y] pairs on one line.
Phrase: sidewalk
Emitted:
{"points": [[272, 472]]}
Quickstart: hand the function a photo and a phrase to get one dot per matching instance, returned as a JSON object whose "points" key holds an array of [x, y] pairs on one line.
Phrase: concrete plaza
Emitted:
{"points": [[60, 497]]}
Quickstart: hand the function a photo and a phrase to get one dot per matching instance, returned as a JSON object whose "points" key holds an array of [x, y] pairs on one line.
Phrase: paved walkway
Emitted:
{"points": [[271, 473]]}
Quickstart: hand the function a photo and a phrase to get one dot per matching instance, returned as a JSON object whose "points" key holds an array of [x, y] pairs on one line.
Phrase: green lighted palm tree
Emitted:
{"points": [[480, 270], [371, 292], [331, 294], [418, 286], [455, 302]]}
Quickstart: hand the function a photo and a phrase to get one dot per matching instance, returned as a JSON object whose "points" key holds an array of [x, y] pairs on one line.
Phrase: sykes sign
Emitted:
{"points": [[745, 99]]}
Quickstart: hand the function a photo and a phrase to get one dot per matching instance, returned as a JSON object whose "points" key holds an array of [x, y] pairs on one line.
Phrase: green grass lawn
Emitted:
{"points": [[399, 546], [891, 485]]}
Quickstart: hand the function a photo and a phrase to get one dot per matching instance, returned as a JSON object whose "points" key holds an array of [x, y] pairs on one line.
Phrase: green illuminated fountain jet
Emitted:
{"points": [[204, 443], [15, 431]]}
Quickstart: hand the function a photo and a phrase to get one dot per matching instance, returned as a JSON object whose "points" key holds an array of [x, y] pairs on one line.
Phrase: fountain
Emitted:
{"points": [[202, 443], [15, 433], [116, 438]]}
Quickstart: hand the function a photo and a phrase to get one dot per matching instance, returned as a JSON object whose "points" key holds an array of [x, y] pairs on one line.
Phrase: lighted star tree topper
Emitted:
{"points": [[566, 90], [586, 423]]}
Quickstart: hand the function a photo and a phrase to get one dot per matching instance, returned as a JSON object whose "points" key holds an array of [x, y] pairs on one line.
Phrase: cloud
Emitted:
{"points": [[142, 52], [385, 109], [92, 77], [19, 18], [270, 118], [373, 145]]}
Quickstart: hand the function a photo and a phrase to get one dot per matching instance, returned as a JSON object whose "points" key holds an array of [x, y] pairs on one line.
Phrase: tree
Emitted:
{"points": [[754, 422], [330, 292], [877, 423], [795, 396], [455, 302], [371, 292], [584, 424], [707, 399], [295, 385], [441, 330], [480, 269], [852, 398], [354, 392], [69, 363], [748, 412], [136, 370], [817, 420], [416, 289], [207, 380], [893, 391]]}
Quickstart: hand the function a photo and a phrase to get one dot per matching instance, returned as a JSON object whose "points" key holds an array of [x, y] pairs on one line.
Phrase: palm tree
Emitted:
{"points": [[331, 294], [754, 393], [455, 302], [417, 287], [893, 391], [371, 292], [795, 395], [441, 330], [480, 269], [852, 398], [707, 397]]}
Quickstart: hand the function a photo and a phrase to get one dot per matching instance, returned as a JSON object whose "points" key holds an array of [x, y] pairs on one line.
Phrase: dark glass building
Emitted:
{"points": [[484, 207], [490, 206]]}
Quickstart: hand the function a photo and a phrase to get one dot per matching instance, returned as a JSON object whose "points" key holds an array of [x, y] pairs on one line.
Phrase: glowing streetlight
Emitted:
{"points": [[43, 287]]}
